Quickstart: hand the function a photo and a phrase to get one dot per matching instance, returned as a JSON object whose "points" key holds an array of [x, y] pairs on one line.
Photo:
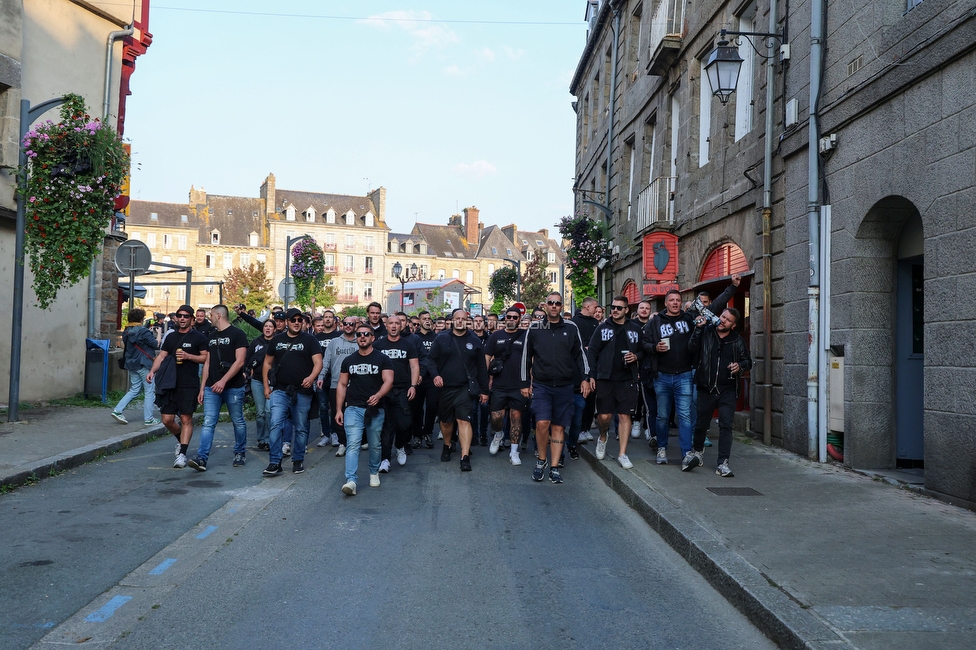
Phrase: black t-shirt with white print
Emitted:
{"points": [[365, 376], [293, 358], [193, 342], [400, 352], [223, 346]]}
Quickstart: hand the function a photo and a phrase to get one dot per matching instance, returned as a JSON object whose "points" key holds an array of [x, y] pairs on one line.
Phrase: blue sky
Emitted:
{"points": [[438, 101]]}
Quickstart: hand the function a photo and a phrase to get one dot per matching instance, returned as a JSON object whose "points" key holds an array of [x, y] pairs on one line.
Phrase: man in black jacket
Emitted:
{"points": [[587, 324], [722, 355]]}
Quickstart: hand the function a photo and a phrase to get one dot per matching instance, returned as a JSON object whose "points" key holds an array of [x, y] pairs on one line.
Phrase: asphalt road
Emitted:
{"points": [[130, 553]]}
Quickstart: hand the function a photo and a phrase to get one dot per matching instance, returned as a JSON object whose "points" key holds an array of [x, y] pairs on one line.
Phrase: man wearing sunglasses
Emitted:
{"points": [[506, 385], [615, 353], [294, 359], [339, 348], [404, 357], [189, 349], [424, 405], [553, 361]]}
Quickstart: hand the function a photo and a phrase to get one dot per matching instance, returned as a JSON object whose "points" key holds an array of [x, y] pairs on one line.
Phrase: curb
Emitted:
{"points": [[768, 607], [45, 467]]}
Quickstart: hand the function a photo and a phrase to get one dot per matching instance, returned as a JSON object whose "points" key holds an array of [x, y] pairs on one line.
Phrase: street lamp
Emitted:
{"points": [[411, 274], [289, 242], [722, 68], [167, 299], [518, 278]]}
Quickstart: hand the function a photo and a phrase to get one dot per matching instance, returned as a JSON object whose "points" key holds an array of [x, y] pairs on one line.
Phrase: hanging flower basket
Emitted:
{"points": [[75, 169], [590, 241], [308, 270]]}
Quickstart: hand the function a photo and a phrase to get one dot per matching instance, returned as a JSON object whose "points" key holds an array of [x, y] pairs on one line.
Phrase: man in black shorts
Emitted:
{"points": [[615, 354], [504, 352], [189, 349], [457, 362]]}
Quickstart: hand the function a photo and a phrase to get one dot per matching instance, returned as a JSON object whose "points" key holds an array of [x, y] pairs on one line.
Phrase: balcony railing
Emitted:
{"points": [[329, 247], [368, 270], [667, 29], [655, 203], [347, 298], [330, 269], [349, 269]]}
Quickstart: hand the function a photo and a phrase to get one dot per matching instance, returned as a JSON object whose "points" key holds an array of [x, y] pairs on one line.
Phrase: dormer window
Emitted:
{"points": [[183, 218], [330, 216], [309, 215], [350, 218], [253, 239], [154, 216], [290, 213], [215, 237], [369, 219], [538, 242]]}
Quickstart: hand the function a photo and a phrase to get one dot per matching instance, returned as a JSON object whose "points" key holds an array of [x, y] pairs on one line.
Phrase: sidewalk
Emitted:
{"points": [[815, 555]]}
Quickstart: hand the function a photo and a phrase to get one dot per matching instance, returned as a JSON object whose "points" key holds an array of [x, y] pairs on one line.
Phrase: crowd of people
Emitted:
{"points": [[391, 384]]}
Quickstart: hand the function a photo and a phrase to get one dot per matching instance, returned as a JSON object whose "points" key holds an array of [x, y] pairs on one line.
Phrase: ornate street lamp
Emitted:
{"points": [[411, 274], [722, 68]]}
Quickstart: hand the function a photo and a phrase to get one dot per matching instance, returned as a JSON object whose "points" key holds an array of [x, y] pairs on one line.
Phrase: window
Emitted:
{"points": [[370, 243], [469, 277], [134, 235], [253, 239], [330, 262], [215, 237], [166, 259], [211, 261], [448, 254], [310, 215], [552, 277], [350, 242], [181, 293], [369, 219], [704, 114], [529, 255], [744, 87], [350, 264], [350, 218], [153, 216], [184, 219], [330, 243], [151, 240], [330, 216], [539, 242], [456, 274], [209, 288], [290, 213], [348, 288], [167, 241], [551, 257], [368, 265], [631, 160], [494, 251], [440, 274], [509, 251], [675, 124], [181, 261], [181, 242], [245, 260], [261, 259], [228, 260], [491, 269], [367, 290]]}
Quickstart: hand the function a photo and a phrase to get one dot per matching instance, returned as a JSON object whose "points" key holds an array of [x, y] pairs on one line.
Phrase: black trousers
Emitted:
{"points": [[397, 423], [708, 402]]}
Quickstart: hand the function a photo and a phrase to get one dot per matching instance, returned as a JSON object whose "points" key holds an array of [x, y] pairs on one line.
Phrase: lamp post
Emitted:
{"points": [[289, 242], [518, 278], [167, 299], [411, 273]]}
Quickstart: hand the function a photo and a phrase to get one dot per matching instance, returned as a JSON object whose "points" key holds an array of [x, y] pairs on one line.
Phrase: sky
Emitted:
{"points": [[446, 104]]}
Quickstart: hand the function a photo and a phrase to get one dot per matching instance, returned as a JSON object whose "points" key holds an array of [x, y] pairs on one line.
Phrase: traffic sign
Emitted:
{"points": [[286, 290], [133, 258]]}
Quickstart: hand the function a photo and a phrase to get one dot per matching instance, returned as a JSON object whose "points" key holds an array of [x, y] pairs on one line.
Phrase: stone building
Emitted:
{"points": [[49, 48], [891, 157]]}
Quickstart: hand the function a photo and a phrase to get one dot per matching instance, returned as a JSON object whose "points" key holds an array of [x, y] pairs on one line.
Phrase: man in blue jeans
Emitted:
{"points": [[666, 338], [222, 382], [293, 360], [365, 377]]}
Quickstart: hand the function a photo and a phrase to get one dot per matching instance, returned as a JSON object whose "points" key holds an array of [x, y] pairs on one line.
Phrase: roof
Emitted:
{"points": [[493, 237], [442, 240], [321, 202], [168, 215], [424, 284], [236, 217]]}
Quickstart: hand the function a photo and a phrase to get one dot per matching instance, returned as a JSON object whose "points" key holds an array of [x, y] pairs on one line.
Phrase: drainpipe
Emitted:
{"points": [[613, 96], [767, 212], [813, 218], [106, 104]]}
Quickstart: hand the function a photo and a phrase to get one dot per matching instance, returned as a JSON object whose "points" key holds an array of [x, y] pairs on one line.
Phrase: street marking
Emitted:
{"points": [[107, 609], [206, 532], [162, 566]]}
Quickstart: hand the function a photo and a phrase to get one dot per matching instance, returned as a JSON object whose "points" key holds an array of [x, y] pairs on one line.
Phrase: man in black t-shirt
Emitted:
{"points": [[322, 334], [402, 352], [294, 359], [365, 377], [506, 386], [424, 405], [177, 391], [223, 383]]}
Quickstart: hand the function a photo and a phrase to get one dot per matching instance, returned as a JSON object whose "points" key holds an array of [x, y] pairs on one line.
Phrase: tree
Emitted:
{"points": [[327, 295], [255, 279], [503, 285], [535, 280]]}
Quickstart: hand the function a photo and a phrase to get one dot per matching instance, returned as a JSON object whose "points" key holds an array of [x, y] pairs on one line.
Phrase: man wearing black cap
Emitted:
{"points": [[182, 384], [294, 360]]}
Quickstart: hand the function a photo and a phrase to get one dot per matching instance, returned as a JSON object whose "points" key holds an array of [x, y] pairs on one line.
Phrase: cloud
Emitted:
{"points": [[477, 169], [454, 71], [426, 35], [512, 53], [486, 54]]}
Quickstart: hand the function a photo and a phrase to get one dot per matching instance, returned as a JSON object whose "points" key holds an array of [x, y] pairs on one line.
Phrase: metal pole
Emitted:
{"points": [[221, 287], [27, 117], [132, 288], [767, 236], [403, 286], [189, 285], [288, 243], [813, 219]]}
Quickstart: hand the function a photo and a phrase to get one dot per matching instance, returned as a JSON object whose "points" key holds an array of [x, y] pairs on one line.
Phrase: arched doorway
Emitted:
{"points": [[631, 291], [909, 347]]}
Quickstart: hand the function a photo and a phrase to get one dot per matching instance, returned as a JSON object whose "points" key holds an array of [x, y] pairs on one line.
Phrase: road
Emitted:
{"points": [[128, 552]]}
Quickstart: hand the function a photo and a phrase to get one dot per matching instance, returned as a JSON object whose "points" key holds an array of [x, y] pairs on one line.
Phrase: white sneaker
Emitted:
{"points": [[177, 452], [625, 462], [349, 488], [286, 449], [440, 436], [401, 456], [496, 443], [601, 449], [586, 436], [635, 433], [342, 452], [334, 440], [374, 480], [384, 469], [647, 435], [515, 456], [119, 417], [323, 441], [662, 456], [364, 446], [180, 461]]}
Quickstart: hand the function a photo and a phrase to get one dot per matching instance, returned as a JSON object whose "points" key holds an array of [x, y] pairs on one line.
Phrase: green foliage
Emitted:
{"points": [[75, 170], [535, 280], [255, 279], [503, 284], [353, 310], [589, 241], [498, 305], [328, 295]]}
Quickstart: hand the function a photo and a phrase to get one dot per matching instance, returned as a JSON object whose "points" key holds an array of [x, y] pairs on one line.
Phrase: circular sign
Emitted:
{"points": [[286, 290], [133, 256]]}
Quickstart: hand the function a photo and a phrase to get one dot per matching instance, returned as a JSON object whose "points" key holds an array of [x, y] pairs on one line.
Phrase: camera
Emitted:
{"points": [[241, 307], [704, 311]]}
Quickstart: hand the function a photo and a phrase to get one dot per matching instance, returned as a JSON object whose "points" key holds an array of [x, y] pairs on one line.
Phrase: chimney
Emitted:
{"points": [[268, 194], [511, 231], [545, 235], [198, 196], [471, 230], [454, 220], [378, 197]]}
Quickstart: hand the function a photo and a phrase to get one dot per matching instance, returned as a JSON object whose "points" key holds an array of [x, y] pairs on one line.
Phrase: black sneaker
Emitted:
{"points": [[428, 442], [465, 463], [652, 443], [446, 454], [297, 467], [198, 464], [539, 472], [239, 460], [454, 445], [408, 449], [263, 446], [562, 462], [273, 469], [555, 476], [483, 440], [574, 453]]}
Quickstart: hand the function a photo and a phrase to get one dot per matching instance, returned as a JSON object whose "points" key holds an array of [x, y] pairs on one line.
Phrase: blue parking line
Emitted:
{"points": [[162, 566], [206, 532], [107, 609]]}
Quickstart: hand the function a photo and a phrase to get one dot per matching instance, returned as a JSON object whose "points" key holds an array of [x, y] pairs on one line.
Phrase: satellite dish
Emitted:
{"points": [[133, 257]]}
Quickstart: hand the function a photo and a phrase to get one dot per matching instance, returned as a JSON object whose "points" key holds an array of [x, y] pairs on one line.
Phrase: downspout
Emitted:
{"points": [[767, 212], [613, 97], [813, 218], [106, 104]]}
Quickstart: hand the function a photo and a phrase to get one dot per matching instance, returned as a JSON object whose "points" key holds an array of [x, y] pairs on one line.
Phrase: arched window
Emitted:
{"points": [[722, 262], [630, 290]]}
